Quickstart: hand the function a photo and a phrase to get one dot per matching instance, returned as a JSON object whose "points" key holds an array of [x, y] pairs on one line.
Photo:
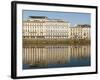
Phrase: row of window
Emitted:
{"points": [[54, 34], [80, 30], [46, 34], [45, 37], [46, 27], [45, 30], [42, 23], [74, 37]]}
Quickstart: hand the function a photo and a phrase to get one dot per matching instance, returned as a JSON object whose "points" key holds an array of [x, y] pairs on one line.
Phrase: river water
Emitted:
{"points": [[54, 56]]}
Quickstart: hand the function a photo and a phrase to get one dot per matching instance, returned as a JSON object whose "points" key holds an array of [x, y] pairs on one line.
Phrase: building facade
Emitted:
{"points": [[34, 27], [80, 32], [43, 27]]}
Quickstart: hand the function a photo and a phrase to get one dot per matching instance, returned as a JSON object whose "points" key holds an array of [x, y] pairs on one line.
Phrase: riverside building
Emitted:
{"points": [[41, 27], [80, 32], [44, 28]]}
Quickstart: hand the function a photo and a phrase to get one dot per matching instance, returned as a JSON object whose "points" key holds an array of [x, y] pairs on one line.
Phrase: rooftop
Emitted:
{"points": [[83, 25], [43, 17]]}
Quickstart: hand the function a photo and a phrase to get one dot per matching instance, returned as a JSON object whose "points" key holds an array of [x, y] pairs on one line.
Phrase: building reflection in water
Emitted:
{"points": [[55, 56]]}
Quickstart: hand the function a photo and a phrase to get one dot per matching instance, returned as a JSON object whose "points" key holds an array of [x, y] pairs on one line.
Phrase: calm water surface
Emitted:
{"points": [[53, 56]]}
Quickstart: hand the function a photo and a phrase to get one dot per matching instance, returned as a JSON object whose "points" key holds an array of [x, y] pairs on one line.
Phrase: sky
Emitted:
{"points": [[72, 17]]}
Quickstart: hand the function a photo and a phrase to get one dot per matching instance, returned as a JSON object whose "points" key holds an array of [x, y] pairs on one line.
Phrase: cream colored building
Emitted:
{"points": [[80, 32], [42, 27], [34, 27], [57, 29]]}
